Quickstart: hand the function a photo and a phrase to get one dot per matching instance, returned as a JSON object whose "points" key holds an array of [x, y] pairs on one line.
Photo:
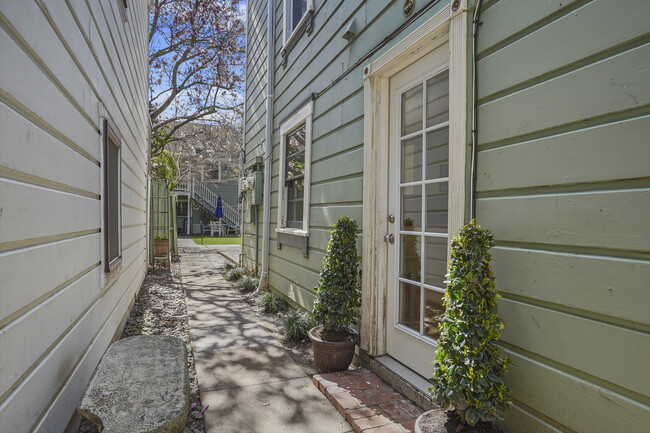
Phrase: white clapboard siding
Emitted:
{"points": [[58, 311], [39, 212], [29, 150], [65, 260], [38, 39], [65, 66], [24, 82], [92, 332]]}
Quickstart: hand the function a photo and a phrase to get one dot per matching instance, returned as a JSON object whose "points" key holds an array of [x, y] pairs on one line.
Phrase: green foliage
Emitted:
{"points": [[247, 283], [235, 274], [271, 302], [158, 140], [338, 293], [296, 324], [161, 237], [164, 167], [469, 368]]}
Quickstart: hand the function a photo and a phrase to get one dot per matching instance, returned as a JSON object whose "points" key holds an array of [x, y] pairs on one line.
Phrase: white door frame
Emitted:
{"points": [[444, 25]]}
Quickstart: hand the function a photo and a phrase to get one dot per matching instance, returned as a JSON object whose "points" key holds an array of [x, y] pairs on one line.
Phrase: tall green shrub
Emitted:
{"points": [[338, 295], [469, 368]]}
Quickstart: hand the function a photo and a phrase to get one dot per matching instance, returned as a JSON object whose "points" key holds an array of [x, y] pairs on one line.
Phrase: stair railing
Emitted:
{"points": [[208, 197]]}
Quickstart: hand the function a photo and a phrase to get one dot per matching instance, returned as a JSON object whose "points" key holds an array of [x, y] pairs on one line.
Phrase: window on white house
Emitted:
{"points": [[112, 199], [294, 11], [293, 208]]}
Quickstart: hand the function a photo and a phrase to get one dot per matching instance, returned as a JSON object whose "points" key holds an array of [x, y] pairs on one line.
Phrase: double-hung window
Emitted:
{"points": [[295, 159], [112, 197], [294, 179], [294, 12]]}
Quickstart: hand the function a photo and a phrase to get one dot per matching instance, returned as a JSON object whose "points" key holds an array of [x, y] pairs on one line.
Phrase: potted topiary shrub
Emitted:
{"points": [[469, 368], [338, 299], [161, 246]]}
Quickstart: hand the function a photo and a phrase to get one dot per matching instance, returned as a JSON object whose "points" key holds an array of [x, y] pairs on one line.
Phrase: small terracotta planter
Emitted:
{"points": [[332, 356], [161, 247]]}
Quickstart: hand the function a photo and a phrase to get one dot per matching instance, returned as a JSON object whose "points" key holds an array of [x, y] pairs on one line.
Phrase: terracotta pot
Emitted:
{"points": [[332, 355], [161, 247]]}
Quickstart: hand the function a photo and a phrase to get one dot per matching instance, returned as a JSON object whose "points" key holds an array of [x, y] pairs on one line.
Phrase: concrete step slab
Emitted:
{"points": [[245, 366], [140, 386], [291, 406]]}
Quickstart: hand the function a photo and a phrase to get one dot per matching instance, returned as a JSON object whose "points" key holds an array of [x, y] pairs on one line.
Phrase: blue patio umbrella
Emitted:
{"points": [[218, 211]]}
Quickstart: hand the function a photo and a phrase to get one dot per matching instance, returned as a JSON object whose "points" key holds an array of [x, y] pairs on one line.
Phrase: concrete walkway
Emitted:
{"points": [[244, 375]]}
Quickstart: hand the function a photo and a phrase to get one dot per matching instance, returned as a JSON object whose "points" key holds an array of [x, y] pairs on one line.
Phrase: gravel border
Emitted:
{"points": [[160, 309]]}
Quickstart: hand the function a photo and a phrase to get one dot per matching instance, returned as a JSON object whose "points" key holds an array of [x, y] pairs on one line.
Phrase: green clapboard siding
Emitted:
{"points": [[337, 131], [563, 182]]}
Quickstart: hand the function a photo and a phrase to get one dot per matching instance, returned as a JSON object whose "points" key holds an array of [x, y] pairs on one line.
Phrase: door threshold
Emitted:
{"points": [[403, 379]]}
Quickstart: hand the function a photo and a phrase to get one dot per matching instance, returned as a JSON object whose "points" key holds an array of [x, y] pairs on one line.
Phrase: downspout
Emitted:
{"points": [[240, 200], [266, 207], [476, 23]]}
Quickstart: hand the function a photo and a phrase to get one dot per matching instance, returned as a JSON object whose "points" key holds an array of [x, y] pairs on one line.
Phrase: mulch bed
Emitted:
{"points": [[160, 310]]}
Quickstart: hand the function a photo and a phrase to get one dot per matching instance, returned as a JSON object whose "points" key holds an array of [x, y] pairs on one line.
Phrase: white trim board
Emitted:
{"points": [[442, 27]]}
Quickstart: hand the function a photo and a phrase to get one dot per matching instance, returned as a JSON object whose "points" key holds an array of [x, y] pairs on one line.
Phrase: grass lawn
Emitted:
{"points": [[207, 240]]}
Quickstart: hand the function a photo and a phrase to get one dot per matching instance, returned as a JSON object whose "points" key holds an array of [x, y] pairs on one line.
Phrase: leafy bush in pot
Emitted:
{"points": [[338, 293], [271, 302], [296, 324], [469, 368]]}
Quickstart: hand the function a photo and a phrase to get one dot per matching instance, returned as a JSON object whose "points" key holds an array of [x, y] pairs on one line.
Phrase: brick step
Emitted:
{"points": [[368, 403]]}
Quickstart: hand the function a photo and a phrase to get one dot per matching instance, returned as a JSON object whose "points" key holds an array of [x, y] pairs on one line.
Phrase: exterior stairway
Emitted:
{"points": [[204, 195]]}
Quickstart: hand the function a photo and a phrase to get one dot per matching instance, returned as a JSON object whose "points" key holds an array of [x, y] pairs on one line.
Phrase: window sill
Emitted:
{"points": [[292, 231], [294, 238]]}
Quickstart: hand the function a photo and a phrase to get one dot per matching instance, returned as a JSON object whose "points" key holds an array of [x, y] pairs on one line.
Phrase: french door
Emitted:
{"points": [[418, 201]]}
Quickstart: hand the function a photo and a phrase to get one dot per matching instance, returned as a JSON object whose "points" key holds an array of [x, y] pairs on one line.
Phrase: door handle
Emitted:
{"points": [[389, 238]]}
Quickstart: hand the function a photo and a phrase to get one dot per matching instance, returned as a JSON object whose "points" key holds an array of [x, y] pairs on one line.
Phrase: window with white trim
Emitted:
{"points": [[295, 165], [112, 197], [294, 12]]}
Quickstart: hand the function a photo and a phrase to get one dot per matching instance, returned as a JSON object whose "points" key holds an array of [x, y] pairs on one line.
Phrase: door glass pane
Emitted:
{"points": [[412, 110], [409, 306], [410, 257], [438, 99], [434, 312], [436, 261], [412, 159], [437, 206], [438, 154], [411, 203]]}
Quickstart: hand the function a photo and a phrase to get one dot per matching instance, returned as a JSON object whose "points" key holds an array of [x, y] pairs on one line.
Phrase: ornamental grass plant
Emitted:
{"points": [[338, 294], [469, 368], [271, 302], [296, 324], [235, 274]]}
